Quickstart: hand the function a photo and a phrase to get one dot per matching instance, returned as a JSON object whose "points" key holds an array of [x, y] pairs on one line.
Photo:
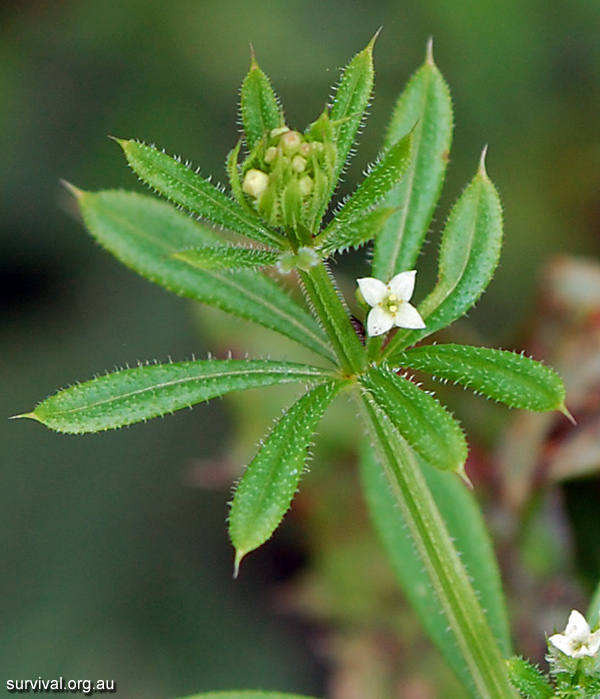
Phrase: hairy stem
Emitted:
{"points": [[449, 579], [332, 312]]}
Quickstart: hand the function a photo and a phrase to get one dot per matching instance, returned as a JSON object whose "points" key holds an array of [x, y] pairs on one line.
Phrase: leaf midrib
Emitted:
{"points": [[312, 372]]}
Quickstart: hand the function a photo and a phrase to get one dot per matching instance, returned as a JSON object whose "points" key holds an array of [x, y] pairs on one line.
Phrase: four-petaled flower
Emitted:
{"points": [[577, 641], [389, 303]]}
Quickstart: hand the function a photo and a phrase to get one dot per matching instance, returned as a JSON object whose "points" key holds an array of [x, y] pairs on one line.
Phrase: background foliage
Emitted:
{"points": [[114, 555]]}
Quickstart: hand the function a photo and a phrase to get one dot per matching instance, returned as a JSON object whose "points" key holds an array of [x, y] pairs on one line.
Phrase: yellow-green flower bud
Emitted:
{"points": [[305, 149], [255, 182], [298, 163], [270, 155], [286, 176], [291, 142], [305, 185]]}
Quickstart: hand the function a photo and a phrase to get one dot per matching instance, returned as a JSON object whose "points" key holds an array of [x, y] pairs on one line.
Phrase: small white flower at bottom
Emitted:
{"points": [[577, 641], [389, 303]]}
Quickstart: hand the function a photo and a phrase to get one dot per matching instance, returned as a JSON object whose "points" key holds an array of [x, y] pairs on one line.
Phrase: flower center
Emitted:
{"points": [[391, 303]]}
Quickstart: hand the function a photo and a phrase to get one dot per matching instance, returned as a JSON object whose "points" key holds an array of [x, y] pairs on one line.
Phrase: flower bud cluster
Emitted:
{"points": [[287, 178]]}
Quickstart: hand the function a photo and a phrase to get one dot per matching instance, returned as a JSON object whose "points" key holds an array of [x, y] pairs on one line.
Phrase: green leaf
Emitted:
{"points": [[355, 233], [528, 679], [135, 395], [425, 424], [426, 107], [187, 188], [383, 175], [226, 258], [266, 489], [350, 102], [259, 106], [235, 181], [483, 667], [467, 529], [469, 255], [142, 232], [593, 614], [248, 694], [507, 377]]}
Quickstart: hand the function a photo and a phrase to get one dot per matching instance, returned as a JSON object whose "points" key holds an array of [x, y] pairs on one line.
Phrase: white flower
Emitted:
{"points": [[389, 303], [577, 641]]}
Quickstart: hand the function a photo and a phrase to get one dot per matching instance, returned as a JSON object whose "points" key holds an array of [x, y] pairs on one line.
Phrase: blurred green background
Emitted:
{"points": [[113, 562]]}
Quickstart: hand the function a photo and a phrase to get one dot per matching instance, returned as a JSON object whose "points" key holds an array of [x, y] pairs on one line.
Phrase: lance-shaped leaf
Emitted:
{"points": [[248, 694], [259, 106], [350, 102], [355, 233], [143, 232], [466, 526], [423, 422], [144, 392], [507, 377], [226, 258], [468, 257], [483, 666], [186, 188], [383, 175], [268, 485], [426, 107]]}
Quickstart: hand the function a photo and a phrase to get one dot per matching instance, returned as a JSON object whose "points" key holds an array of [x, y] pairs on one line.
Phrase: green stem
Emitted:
{"points": [[374, 345], [447, 574], [331, 311]]}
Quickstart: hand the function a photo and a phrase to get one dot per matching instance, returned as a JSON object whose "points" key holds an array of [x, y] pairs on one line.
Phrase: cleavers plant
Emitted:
{"points": [[282, 182]]}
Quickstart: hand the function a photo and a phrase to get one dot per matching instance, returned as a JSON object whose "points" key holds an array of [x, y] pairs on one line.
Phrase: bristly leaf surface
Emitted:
{"points": [[143, 232], [138, 394], [350, 102], [423, 422], [469, 255], [507, 377], [226, 258], [425, 107], [188, 189], [467, 528], [268, 485], [259, 106], [355, 233], [383, 176]]}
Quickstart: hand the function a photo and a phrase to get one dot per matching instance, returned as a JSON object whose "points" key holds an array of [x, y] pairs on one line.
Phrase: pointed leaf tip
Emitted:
{"points": [[429, 52], [563, 409], [482, 170], [371, 43], [239, 556], [120, 141], [30, 416], [462, 474], [75, 191], [253, 62]]}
